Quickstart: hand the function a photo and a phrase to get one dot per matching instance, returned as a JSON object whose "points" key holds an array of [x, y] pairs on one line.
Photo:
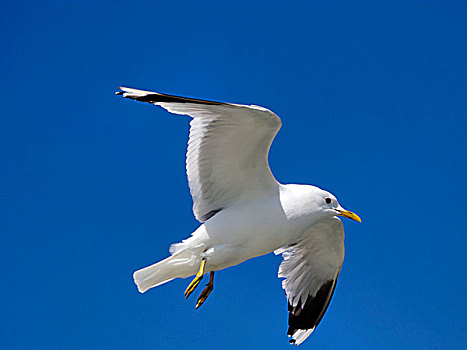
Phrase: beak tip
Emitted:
{"points": [[350, 215]]}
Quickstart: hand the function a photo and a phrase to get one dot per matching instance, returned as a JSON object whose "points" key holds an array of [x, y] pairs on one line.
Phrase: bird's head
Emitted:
{"points": [[329, 205]]}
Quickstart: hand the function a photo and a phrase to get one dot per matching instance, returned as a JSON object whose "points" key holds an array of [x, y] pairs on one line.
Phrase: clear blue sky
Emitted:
{"points": [[373, 99]]}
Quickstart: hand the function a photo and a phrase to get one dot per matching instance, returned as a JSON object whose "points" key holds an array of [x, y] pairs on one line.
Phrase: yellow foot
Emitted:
{"points": [[199, 276], [206, 291]]}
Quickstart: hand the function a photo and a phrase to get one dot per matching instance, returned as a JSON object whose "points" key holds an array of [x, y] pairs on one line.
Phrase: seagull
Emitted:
{"points": [[245, 213]]}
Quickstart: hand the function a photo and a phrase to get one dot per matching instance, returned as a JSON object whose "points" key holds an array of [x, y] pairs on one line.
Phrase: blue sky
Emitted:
{"points": [[373, 102]]}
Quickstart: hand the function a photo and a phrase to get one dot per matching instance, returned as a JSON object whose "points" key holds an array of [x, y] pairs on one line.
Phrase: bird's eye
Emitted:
{"points": [[328, 200]]}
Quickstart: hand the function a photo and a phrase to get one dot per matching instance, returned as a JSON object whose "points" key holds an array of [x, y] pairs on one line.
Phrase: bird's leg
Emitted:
{"points": [[199, 276], [206, 291]]}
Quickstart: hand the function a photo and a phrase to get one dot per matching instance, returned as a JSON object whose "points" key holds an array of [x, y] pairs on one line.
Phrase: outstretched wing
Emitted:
{"points": [[310, 268], [227, 157]]}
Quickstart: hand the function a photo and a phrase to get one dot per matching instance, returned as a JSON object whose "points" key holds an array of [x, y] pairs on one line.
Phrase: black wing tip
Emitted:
{"points": [[155, 97], [309, 315]]}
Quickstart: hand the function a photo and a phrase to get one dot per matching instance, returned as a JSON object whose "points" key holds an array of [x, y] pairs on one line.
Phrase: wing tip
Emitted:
{"points": [[303, 319], [156, 97], [300, 335], [121, 90], [134, 94]]}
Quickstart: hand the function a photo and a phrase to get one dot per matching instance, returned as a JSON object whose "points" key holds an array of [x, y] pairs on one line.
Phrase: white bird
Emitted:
{"points": [[246, 213]]}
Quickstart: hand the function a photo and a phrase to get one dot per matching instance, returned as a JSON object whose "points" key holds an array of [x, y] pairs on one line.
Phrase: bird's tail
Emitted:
{"points": [[181, 264]]}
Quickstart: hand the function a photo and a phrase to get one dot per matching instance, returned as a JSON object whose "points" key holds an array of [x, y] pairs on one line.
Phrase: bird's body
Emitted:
{"points": [[254, 228], [246, 213]]}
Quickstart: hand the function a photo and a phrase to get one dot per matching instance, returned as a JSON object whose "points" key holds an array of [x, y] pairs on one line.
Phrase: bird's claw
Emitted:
{"points": [[192, 286], [199, 276], [204, 294]]}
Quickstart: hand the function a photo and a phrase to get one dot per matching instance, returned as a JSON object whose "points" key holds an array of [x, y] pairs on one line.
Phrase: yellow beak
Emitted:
{"points": [[349, 214]]}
